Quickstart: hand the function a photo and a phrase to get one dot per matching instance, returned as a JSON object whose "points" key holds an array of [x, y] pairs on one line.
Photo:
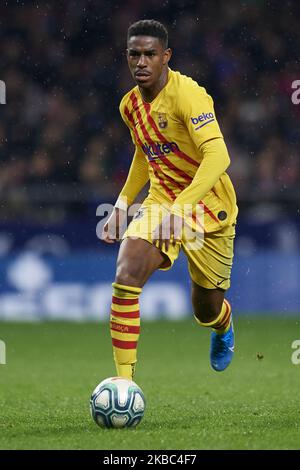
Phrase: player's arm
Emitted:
{"points": [[214, 163], [215, 160], [195, 109], [138, 176]]}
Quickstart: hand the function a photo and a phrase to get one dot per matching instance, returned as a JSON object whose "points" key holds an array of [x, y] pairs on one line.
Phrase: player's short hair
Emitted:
{"points": [[149, 28]]}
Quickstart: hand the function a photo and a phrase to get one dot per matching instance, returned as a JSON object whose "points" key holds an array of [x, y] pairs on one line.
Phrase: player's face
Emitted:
{"points": [[146, 60]]}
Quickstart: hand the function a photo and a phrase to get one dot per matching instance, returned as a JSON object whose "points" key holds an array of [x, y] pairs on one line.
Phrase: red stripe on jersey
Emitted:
{"points": [[209, 212], [130, 118], [150, 142], [124, 344], [118, 301], [197, 222], [169, 178], [169, 164], [135, 314], [179, 153], [161, 182], [124, 328]]}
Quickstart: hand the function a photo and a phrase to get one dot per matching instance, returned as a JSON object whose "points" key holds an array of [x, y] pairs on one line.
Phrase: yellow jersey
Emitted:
{"points": [[170, 135]]}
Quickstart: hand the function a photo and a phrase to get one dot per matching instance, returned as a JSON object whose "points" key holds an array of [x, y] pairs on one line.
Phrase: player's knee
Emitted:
{"points": [[206, 313], [128, 275]]}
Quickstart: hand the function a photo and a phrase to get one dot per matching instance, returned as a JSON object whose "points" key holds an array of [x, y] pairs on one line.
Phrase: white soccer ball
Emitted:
{"points": [[117, 403]]}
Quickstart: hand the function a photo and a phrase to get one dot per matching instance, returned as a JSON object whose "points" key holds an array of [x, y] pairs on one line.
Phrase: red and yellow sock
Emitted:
{"points": [[125, 328], [221, 324]]}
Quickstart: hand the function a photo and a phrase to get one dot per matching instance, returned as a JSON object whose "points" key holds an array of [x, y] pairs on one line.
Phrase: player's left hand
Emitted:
{"points": [[169, 231]]}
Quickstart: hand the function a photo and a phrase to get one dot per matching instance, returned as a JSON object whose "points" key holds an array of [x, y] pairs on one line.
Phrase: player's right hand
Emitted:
{"points": [[168, 232], [111, 230]]}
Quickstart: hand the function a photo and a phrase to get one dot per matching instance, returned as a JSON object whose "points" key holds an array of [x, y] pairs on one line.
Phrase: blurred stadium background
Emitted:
{"points": [[64, 149]]}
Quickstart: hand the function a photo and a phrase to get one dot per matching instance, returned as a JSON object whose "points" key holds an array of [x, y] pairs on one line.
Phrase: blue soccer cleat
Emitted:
{"points": [[221, 349]]}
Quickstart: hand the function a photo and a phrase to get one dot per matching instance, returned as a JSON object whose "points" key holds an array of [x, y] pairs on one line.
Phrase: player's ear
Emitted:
{"points": [[167, 55]]}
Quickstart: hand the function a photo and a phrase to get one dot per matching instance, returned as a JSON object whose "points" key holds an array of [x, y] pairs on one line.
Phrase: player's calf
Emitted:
{"points": [[137, 260], [125, 328]]}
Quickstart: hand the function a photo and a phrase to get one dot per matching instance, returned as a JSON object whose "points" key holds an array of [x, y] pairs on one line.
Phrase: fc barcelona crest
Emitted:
{"points": [[162, 120]]}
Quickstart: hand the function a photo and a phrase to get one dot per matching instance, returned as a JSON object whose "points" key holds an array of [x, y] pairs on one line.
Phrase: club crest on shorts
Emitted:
{"points": [[162, 120]]}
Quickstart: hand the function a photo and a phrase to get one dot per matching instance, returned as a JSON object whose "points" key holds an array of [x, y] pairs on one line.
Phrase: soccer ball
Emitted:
{"points": [[117, 403]]}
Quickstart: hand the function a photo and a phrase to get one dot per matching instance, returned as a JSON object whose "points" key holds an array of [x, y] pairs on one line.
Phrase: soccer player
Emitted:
{"points": [[178, 147]]}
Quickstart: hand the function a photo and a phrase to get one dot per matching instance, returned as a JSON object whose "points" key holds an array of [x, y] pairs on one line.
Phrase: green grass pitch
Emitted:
{"points": [[52, 369]]}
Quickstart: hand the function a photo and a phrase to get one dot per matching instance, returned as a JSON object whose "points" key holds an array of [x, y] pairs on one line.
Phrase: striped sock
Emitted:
{"points": [[125, 328], [222, 323]]}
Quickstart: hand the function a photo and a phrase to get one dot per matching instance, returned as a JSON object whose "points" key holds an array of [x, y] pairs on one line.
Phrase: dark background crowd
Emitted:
{"points": [[64, 147]]}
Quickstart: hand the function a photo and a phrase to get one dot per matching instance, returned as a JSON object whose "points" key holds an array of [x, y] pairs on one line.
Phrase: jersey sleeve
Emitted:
{"points": [[196, 109], [138, 176], [214, 163]]}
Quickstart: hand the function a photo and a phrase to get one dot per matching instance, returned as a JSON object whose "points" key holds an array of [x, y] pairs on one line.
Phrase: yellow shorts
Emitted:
{"points": [[209, 255]]}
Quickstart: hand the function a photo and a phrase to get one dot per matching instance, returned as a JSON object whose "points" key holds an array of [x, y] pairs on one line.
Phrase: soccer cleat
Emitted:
{"points": [[221, 349]]}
